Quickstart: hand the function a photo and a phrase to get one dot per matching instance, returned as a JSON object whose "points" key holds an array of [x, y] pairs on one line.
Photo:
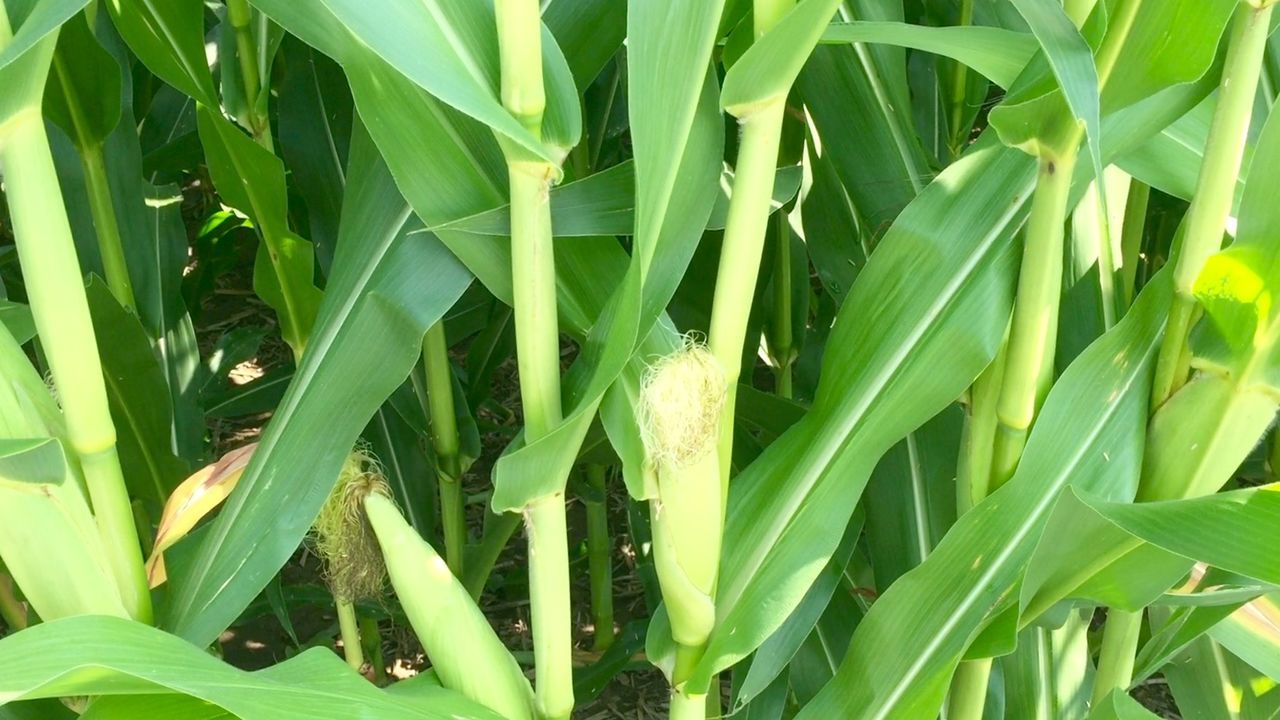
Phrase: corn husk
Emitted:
{"points": [[681, 401], [465, 652]]}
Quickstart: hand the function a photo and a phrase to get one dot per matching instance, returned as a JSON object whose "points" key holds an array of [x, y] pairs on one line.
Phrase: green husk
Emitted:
{"points": [[681, 400], [465, 652]]}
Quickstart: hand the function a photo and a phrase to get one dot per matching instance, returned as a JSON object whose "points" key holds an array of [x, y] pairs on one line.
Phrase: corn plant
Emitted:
{"points": [[836, 358]]}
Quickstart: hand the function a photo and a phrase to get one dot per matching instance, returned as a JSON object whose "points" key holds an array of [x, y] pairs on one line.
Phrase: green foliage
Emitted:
{"points": [[238, 221]]}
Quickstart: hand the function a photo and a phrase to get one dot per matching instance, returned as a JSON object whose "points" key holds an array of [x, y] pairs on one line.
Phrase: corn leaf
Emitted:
{"points": [[995, 53], [1198, 27], [24, 61], [589, 32], [883, 167], [770, 661], [765, 73], [96, 655], [1232, 530], [17, 320], [367, 339], [1083, 555], [84, 96], [450, 49], [138, 397], [252, 180], [1171, 160], [176, 707], [315, 112], [48, 538], [1208, 682], [168, 37], [1252, 633], [1089, 435]]}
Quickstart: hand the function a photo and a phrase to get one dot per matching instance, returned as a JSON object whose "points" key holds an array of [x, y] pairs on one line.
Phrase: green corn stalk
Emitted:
{"points": [[1029, 351], [1167, 472], [240, 15], [88, 141], [445, 442], [533, 275], [1206, 219], [465, 653], [960, 89], [780, 335], [55, 288], [600, 565]]}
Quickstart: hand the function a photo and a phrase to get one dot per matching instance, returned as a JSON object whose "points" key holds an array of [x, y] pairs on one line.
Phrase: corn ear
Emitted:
{"points": [[465, 653], [681, 401], [686, 535]]}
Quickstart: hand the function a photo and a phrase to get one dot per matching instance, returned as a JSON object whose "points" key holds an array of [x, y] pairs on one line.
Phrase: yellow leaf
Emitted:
{"points": [[196, 497]]}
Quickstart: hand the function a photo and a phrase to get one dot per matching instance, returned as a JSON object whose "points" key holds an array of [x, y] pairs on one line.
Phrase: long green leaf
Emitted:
{"points": [[138, 396], [252, 180], [368, 336], [995, 53], [98, 655]]}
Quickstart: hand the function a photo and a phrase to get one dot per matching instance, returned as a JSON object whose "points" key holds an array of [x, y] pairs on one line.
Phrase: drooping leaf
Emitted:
{"points": [[996, 53], [96, 655]]}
